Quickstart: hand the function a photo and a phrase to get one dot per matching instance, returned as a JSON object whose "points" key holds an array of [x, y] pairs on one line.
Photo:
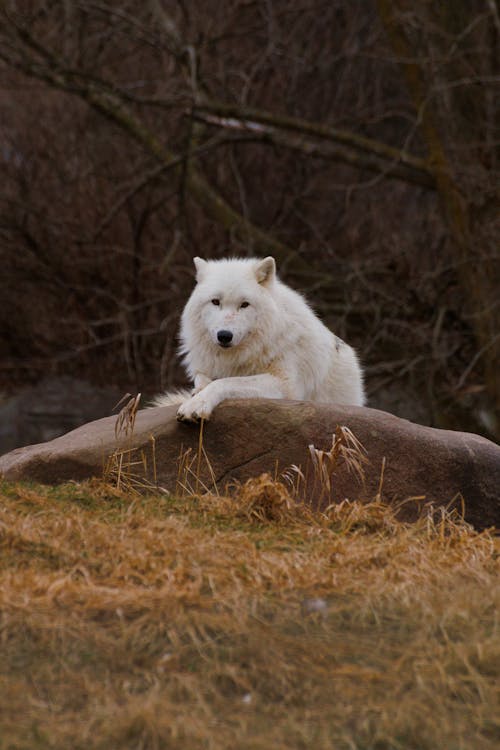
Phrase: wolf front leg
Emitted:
{"points": [[200, 382], [201, 405]]}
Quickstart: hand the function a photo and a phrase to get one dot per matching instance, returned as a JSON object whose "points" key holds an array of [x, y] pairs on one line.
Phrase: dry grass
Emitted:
{"points": [[245, 622]]}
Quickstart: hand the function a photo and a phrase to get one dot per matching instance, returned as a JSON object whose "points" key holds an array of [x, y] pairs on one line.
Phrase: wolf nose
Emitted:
{"points": [[224, 337]]}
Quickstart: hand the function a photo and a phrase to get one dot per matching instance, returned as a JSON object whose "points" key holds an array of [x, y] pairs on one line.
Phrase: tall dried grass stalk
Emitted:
{"points": [[125, 421], [130, 470], [189, 472]]}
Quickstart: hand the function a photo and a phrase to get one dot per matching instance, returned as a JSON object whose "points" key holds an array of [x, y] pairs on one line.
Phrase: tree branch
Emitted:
{"points": [[296, 140], [107, 101], [322, 132]]}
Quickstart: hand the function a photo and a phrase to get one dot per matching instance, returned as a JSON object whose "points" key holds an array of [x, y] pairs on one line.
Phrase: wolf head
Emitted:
{"points": [[232, 311], [229, 297]]}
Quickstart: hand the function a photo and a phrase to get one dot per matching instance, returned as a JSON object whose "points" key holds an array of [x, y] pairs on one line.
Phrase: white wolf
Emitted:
{"points": [[245, 334]]}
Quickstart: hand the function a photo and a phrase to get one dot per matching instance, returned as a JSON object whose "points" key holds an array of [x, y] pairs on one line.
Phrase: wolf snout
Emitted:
{"points": [[224, 338]]}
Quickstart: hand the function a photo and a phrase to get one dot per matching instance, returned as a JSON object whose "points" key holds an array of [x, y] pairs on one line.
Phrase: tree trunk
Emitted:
{"points": [[474, 247]]}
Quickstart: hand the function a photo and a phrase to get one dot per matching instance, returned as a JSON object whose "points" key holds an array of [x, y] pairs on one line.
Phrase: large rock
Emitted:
{"points": [[246, 438]]}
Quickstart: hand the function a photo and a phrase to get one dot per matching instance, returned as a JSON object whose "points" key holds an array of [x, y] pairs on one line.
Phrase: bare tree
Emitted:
{"points": [[357, 142]]}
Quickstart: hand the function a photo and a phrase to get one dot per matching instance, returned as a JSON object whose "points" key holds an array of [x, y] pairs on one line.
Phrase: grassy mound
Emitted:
{"points": [[244, 622]]}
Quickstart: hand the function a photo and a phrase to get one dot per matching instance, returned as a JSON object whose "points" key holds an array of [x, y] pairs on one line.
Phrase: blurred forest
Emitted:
{"points": [[357, 141]]}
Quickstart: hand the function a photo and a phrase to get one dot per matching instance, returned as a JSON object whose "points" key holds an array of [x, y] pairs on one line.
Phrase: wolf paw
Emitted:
{"points": [[195, 409]]}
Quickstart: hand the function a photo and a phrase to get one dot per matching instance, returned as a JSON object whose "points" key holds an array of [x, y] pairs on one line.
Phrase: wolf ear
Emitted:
{"points": [[201, 267], [265, 270]]}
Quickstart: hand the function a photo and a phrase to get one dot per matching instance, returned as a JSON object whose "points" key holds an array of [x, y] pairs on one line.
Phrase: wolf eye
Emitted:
{"points": [[216, 302], [245, 304]]}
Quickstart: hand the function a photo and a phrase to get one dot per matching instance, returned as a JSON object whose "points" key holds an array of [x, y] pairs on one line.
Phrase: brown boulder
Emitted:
{"points": [[246, 438]]}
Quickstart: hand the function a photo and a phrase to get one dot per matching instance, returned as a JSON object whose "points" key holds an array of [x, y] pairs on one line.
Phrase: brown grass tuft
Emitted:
{"points": [[265, 499]]}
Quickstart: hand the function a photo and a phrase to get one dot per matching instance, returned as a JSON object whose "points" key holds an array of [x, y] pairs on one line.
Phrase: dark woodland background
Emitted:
{"points": [[357, 141]]}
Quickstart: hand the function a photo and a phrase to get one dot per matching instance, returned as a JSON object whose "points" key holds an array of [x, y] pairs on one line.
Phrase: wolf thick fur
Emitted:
{"points": [[245, 334]]}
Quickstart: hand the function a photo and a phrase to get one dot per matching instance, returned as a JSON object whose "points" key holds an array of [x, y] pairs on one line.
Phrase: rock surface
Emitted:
{"points": [[51, 408], [246, 438]]}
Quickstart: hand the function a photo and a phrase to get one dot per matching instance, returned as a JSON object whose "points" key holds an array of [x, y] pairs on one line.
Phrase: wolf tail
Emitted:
{"points": [[171, 398]]}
